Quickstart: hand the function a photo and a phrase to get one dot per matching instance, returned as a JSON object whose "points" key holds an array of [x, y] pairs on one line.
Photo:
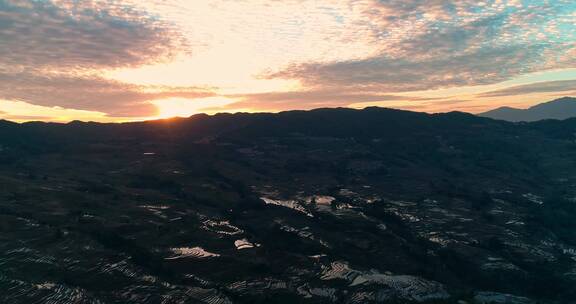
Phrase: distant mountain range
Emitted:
{"points": [[561, 108]]}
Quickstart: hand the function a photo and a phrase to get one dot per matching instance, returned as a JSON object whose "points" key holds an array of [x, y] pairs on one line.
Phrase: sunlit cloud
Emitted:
{"points": [[116, 99]]}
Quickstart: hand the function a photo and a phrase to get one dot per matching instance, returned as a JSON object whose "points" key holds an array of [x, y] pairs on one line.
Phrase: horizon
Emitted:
{"points": [[121, 61], [153, 119]]}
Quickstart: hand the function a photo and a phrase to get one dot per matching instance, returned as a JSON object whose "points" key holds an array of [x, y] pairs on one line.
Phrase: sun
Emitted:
{"points": [[183, 107]]}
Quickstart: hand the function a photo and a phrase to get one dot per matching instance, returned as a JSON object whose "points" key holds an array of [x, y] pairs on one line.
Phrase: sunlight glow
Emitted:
{"points": [[182, 107], [20, 111]]}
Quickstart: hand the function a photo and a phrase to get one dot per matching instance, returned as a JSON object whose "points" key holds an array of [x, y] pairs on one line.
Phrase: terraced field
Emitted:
{"points": [[289, 208]]}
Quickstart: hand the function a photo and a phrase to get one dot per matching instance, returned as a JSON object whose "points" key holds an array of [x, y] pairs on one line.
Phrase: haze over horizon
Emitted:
{"points": [[125, 60]]}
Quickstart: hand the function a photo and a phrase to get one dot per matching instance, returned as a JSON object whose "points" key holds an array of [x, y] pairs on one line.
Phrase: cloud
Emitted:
{"points": [[91, 93], [539, 87], [53, 53], [426, 45], [60, 35], [484, 66]]}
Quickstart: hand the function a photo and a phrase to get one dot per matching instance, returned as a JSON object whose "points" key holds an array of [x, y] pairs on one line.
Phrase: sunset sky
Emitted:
{"points": [[123, 60]]}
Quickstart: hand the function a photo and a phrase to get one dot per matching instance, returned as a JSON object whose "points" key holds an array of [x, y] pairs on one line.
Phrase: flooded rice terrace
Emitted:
{"points": [[297, 250]]}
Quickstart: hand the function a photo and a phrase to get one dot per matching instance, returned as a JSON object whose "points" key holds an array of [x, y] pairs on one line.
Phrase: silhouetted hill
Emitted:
{"points": [[562, 108], [338, 122], [322, 206]]}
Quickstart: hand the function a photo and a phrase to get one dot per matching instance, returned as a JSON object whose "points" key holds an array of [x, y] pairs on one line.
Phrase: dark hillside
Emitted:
{"points": [[322, 206]]}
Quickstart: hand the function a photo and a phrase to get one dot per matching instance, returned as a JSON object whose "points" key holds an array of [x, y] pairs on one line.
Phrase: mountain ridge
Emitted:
{"points": [[559, 109]]}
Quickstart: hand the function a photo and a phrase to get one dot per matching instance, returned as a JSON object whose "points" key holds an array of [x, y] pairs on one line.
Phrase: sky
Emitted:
{"points": [[126, 60]]}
